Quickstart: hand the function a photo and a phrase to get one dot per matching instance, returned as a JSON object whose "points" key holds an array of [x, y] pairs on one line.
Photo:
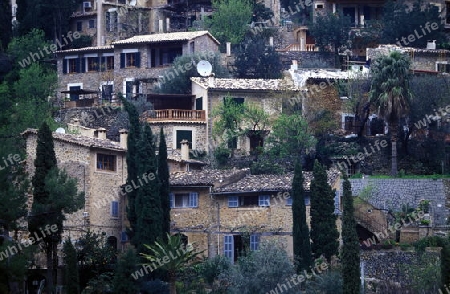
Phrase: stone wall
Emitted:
{"points": [[396, 266], [169, 128], [305, 57], [394, 193]]}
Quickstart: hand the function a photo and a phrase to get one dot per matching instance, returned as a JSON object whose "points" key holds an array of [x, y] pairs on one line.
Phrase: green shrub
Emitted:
{"points": [[222, 154]]}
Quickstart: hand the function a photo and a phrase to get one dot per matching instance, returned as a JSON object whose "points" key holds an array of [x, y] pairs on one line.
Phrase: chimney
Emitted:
{"points": [[211, 81], [294, 65], [99, 23], [161, 26], [271, 41], [185, 149], [167, 24], [76, 122], [228, 49], [101, 133], [123, 138]]}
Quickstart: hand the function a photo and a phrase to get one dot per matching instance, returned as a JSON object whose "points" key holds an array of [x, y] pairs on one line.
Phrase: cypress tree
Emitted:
{"points": [[163, 175], [300, 230], [324, 233], [132, 162], [123, 282], [71, 272], [350, 250], [148, 202]]}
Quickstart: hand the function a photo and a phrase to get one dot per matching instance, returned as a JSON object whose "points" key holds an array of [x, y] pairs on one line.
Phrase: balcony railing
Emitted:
{"points": [[177, 114], [297, 47]]}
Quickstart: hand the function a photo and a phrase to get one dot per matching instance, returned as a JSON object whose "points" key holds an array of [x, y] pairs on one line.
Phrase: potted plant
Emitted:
{"points": [[424, 205], [425, 222]]}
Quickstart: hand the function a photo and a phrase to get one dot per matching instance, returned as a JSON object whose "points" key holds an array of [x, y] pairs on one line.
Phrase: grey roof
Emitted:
{"points": [[165, 37], [92, 48], [205, 177], [242, 84], [259, 183], [81, 140]]}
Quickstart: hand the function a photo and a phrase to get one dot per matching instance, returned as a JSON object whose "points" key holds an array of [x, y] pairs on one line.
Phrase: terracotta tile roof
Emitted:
{"points": [[93, 48], [205, 177], [81, 140], [242, 84], [165, 37], [257, 183], [179, 159]]}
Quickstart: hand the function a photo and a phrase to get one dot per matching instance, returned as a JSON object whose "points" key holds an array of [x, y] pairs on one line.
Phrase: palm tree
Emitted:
{"points": [[174, 254], [390, 93]]}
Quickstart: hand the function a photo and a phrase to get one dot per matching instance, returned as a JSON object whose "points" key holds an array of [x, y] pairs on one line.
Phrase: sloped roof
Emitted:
{"points": [[259, 183], [242, 84], [81, 140], [92, 48], [205, 177], [165, 37]]}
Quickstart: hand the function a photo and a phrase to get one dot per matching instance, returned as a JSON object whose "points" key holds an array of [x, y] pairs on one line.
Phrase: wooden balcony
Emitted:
{"points": [[176, 115]]}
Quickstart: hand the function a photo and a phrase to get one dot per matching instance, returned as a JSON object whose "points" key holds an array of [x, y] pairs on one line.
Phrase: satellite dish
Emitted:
{"points": [[60, 131], [204, 68]]}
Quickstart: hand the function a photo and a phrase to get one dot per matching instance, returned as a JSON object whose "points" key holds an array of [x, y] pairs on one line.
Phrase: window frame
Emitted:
{"points": [[192, 199], [254, 242], [114, 209], [233, 201], [264, 200], [114, 164]]}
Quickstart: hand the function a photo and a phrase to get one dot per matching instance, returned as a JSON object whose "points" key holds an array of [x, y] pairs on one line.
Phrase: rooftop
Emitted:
{"points": [[81, 140], [205, 177], [242, 84], [164, 37], [93, 48], [259, 183]]}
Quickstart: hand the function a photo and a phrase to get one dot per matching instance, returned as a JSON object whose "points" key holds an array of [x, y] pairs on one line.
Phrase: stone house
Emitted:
{"points": [[225, 212], [99, 166], [129, 66], [270, 94]]}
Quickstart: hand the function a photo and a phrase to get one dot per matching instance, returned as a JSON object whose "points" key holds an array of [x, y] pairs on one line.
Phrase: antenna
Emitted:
{"points": [[60, 131], [204, 68]]}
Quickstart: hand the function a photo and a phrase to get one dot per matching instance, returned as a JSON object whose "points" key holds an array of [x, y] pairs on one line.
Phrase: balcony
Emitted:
{"points": [[177, 115]]}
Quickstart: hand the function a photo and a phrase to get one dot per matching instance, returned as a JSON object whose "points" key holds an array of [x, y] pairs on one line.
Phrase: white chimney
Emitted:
{"points": [[302, 44], [228, 49], [185, 149], [160, 26], [211, 81], [431, 45], [101, 133], [99, 23], [294, 65], [123, 138], [271, 41], [168, 24]]}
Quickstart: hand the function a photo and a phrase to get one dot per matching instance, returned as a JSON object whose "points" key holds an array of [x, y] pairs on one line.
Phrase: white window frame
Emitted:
{"points": [[192, 200], [86, 63], [174, 135], [66, 60], [233, 201], [73, 85], [264, 200], [440, 62]]}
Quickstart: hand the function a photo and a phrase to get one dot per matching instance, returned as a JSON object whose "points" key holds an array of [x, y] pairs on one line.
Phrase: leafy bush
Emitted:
{"points": [[222, 154], [326, 283]]}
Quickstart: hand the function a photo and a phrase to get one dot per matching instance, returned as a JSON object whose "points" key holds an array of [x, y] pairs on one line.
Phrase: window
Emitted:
{"points": [[74, 97], [184, 200], [92, 63], [164, 56], [199, 103], [254, 242], [107, 91], [106, 162], [443, 67], [91, 23], [115, 208], [264, 200], [130, 60], [228, 247], [112, 241], [111, 21], [184, 135], [109, 62], [337, 209], [232, 143], [79, 26], [71, 65], [233, 201], [123, 237], [289, 201]]}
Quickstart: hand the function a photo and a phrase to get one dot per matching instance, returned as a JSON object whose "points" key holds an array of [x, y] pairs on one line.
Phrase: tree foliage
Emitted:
{"points": [[230, 19], [290, 135], [350, 251], [331, 32], [300, 230], [324, 234], [257, 60], [177, 79], [123, 282], [390, 93], [163, 175], [71, 275]]}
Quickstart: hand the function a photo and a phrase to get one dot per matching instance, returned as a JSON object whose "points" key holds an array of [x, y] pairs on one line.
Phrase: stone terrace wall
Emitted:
{"points": [[393, 265], [306, 56], [394, 193]]}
